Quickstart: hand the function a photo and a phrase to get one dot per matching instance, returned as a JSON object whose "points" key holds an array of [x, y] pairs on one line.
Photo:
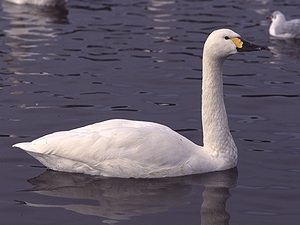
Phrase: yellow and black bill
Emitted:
{"points": [[245, 46]]}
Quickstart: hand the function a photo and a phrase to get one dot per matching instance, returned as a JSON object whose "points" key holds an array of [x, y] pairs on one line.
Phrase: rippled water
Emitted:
{"points": [[141, 60]]}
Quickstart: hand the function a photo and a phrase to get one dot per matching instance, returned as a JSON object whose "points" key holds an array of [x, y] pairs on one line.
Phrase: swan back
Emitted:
{"points": [[120, 148]]}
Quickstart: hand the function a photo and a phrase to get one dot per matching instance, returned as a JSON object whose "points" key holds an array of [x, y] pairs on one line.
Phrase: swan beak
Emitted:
{"points": [[245, 46]]}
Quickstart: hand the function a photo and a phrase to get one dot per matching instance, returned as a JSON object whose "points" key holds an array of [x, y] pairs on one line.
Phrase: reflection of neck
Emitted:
{"points": [[213, 209]]}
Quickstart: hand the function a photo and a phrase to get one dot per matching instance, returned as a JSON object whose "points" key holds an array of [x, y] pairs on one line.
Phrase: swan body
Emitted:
{"points": [[282, 28], [120, 148], [40, 2], [125, 148]]}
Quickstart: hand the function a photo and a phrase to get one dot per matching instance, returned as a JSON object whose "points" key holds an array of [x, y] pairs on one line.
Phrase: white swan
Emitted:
{"points": [[282, 28], [40, 2], [124, 148]]}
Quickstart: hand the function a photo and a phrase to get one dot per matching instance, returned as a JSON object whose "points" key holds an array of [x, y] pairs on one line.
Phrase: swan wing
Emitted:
{"points": [[118, 148]]}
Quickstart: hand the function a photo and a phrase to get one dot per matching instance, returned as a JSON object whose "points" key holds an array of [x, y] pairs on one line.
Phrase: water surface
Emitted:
{"points": [[141, 60]]}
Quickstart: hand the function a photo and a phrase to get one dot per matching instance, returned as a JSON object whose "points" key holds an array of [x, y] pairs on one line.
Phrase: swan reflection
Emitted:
{"points": [[116, 199], [29, 26]]}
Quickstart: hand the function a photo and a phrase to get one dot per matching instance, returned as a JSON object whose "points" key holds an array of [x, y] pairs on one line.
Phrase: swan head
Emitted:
{"points": [[225, 42]]}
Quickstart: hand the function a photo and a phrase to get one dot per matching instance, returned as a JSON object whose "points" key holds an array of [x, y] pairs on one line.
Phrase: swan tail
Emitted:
{"points": [[25, 146]]}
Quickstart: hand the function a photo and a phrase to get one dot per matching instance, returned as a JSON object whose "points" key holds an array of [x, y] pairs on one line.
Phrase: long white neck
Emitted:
{"points": [[216, 134]]}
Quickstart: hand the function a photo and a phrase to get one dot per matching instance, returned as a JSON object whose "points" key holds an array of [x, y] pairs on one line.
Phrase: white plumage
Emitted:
{"points": [[124, 148], [282, 28], [40, 2]]}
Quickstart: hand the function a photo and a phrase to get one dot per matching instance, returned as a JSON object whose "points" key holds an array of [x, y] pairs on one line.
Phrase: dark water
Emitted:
{"points": [[141, 60]]}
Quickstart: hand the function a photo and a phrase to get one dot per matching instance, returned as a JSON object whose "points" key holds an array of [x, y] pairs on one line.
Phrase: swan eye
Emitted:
{"points": [[226, 37]]}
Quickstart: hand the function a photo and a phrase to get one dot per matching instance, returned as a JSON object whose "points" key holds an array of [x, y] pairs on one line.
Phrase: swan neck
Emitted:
{"points": [[216, 133]]}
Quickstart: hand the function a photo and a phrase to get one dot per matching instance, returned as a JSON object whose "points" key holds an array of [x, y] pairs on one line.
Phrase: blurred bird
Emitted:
{"points": [[282, 28]]}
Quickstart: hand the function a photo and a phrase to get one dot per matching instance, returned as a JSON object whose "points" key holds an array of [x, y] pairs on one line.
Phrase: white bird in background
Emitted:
{"points": [[125, 148], [282, 28], [52, 3]]}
